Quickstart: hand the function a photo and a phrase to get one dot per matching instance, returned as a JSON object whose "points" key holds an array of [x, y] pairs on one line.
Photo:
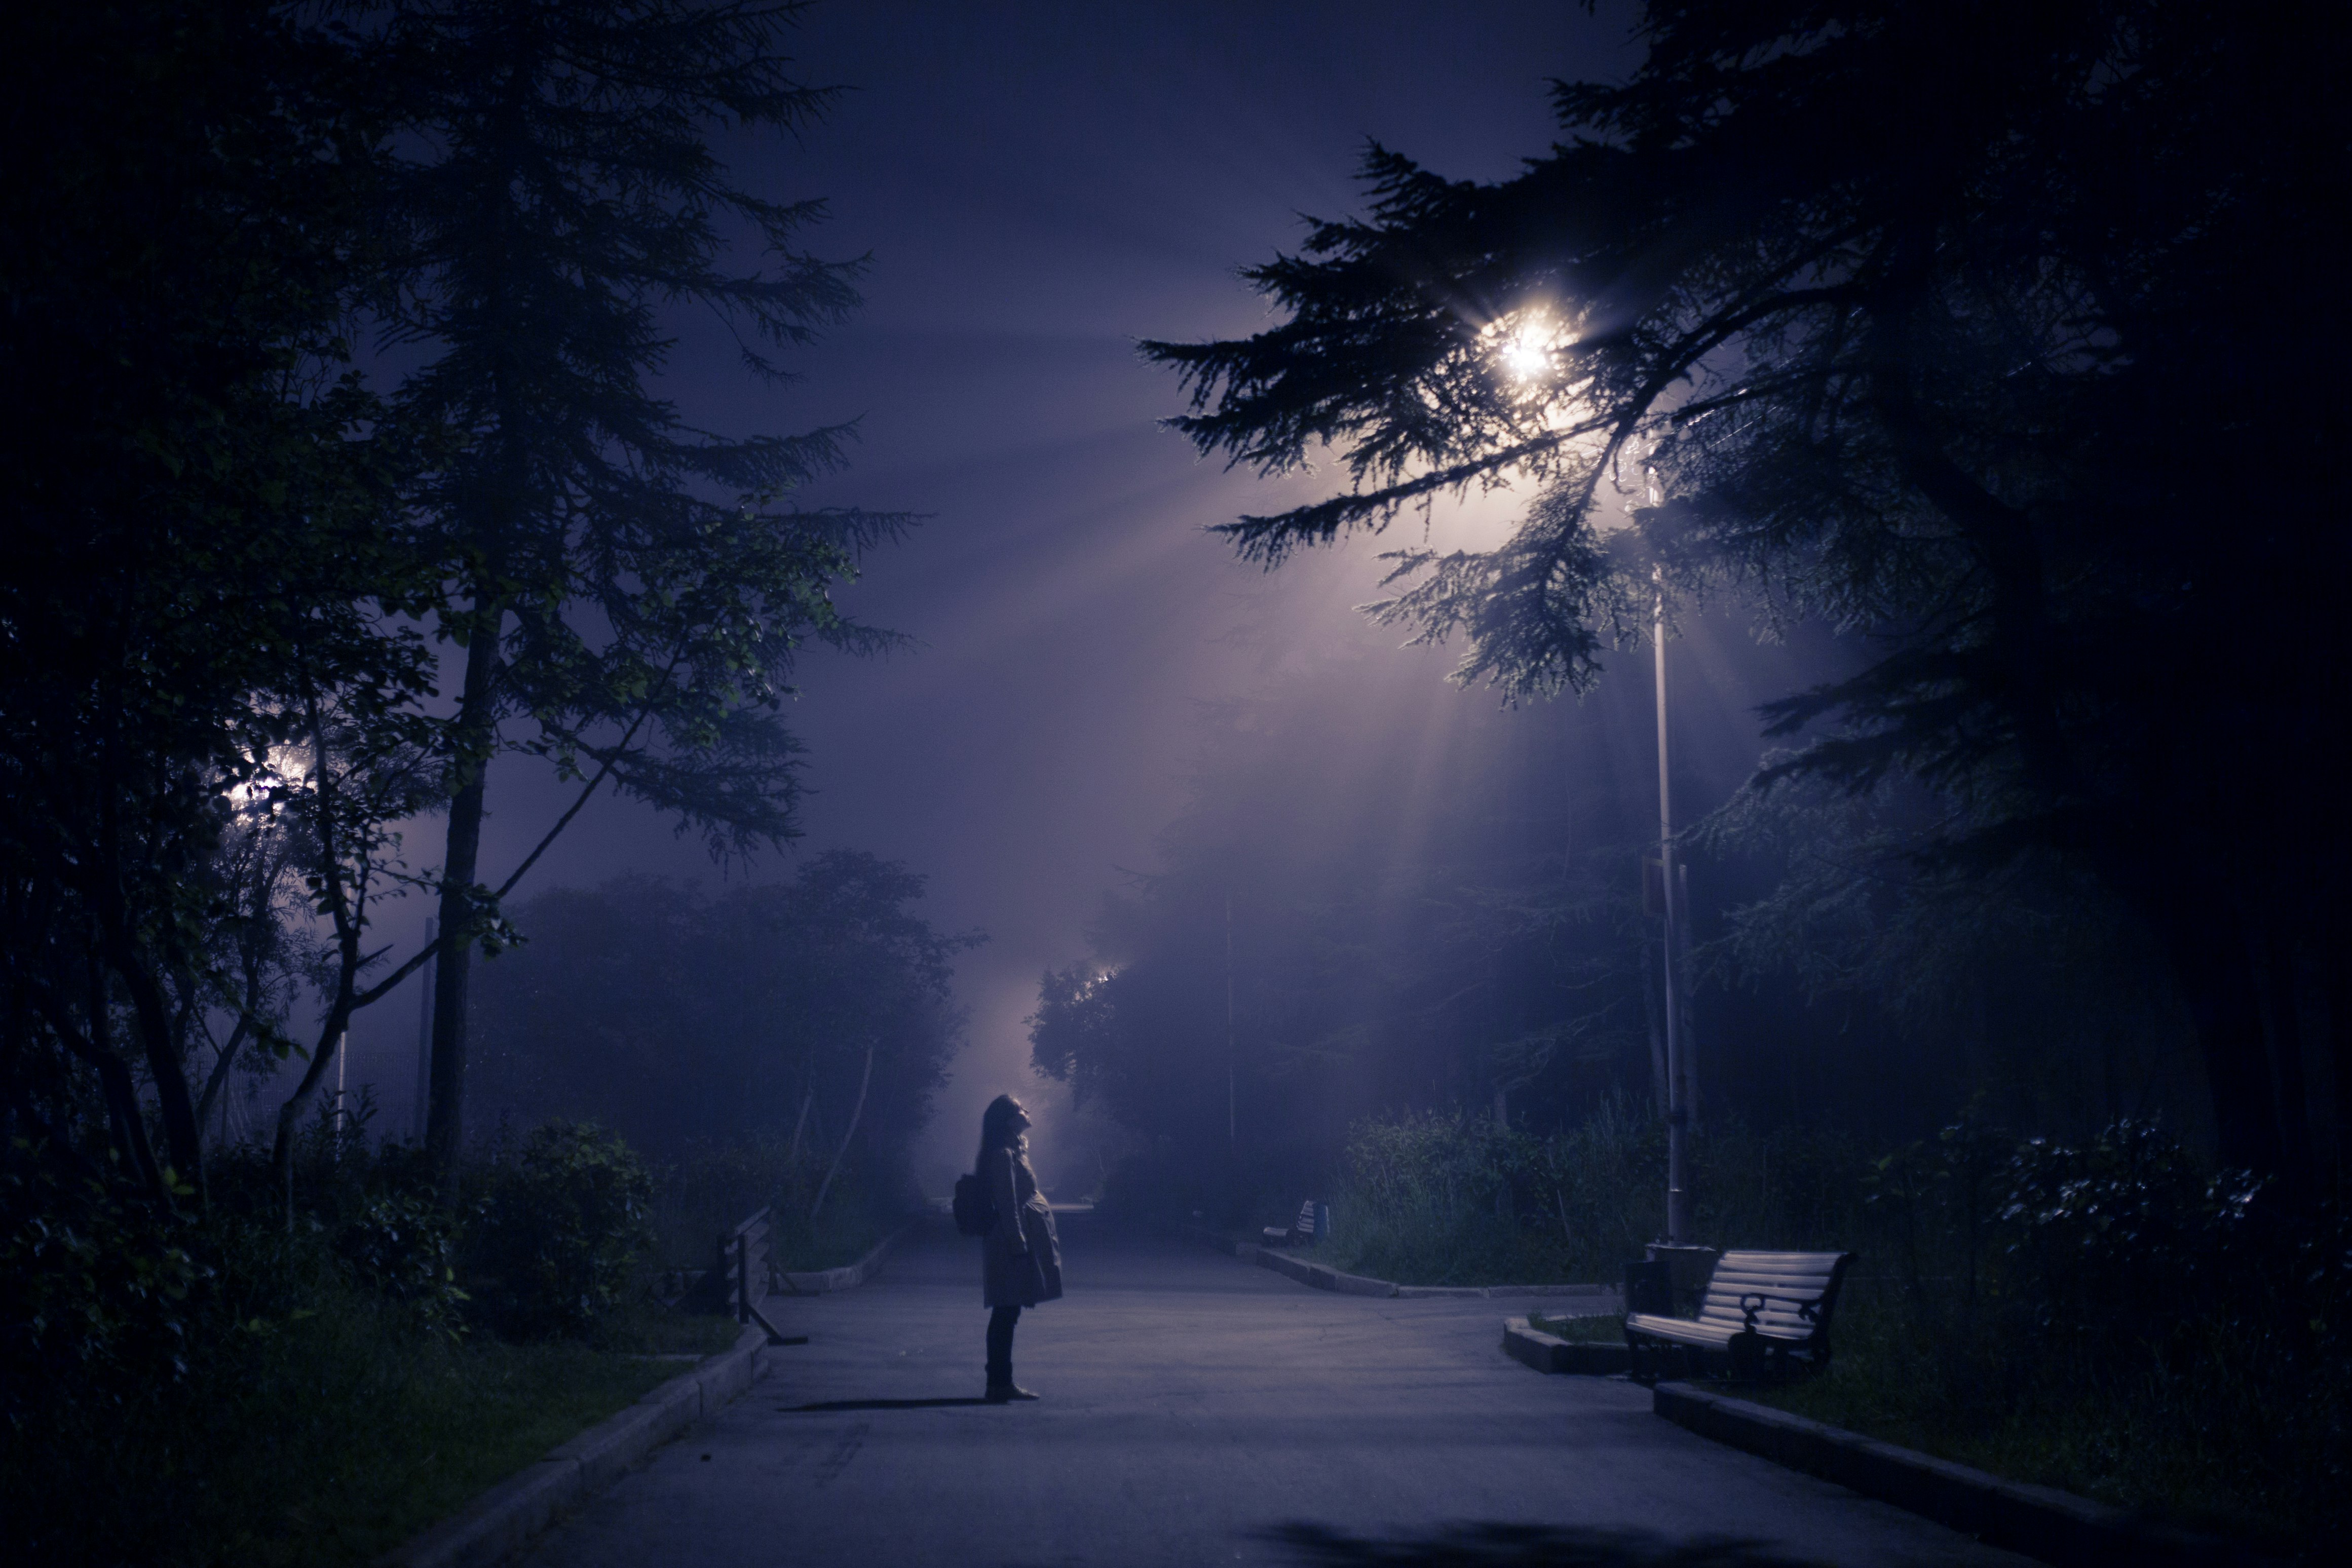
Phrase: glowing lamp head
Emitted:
{"points": [[1527, 345]]}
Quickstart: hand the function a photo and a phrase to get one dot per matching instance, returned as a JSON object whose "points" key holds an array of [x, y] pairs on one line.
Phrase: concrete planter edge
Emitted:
{"points": [[499, 1522]]}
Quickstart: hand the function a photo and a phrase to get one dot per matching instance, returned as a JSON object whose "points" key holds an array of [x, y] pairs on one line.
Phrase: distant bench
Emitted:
{"points": [[1303, 1229], [1765, 1313]]}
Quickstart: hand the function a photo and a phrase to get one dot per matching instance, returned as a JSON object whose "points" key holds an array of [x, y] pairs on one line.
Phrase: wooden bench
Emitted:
{"points": [[1301, 1229], [1765, 1314]]}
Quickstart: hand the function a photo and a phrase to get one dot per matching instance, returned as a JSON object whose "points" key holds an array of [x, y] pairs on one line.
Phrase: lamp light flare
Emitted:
{"points": [[1527, 345]]}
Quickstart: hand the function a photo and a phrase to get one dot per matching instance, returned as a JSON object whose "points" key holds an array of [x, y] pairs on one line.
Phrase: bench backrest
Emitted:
{"points": [[1800, 1290], [1305, 1223]]}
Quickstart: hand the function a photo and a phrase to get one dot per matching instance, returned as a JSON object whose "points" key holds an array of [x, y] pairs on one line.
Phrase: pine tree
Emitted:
{"points": [[630, 591], [1965, 326]]}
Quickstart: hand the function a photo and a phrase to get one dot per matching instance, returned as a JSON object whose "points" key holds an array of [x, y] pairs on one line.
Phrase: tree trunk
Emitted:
{"points": [[2216, 975], [2291, 1093], [182, 1143], [856, 1111], [477, 734], [290, 1114], [2337, 969], [122, 1108], [181, 1138]]}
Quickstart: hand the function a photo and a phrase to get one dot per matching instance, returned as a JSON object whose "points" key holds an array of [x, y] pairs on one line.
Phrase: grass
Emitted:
{"points": [[1499, 1260], [324, 1443], [2207, 1444], [1602, 1328], [648, 1328]]}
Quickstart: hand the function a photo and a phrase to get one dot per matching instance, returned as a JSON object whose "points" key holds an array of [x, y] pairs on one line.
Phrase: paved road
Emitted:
{"points": [[1195, 1407]]}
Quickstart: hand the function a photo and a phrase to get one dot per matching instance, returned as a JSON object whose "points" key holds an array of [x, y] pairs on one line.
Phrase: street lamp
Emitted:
{"points": [[1687, 1264], [1676, 953], [1528, 347]]}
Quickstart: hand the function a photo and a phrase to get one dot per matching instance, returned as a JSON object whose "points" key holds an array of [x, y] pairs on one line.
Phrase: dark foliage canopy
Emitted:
{"points": [[204, 551], [1984, 330], [640, 584]]}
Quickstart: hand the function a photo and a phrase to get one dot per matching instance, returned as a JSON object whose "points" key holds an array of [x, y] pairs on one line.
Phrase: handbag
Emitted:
{"points": [[975, 1211]]}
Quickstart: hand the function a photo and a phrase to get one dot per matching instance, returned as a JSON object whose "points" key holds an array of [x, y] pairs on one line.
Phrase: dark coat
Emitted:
{"points": [[1030, 1272]]}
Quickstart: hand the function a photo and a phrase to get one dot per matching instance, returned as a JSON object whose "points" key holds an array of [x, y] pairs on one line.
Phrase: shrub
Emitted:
{"points": [[1429, 1198], [560, 1232], [403, 1246], [99, 1293]]}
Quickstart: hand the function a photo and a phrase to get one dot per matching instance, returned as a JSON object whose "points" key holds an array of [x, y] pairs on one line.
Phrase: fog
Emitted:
{"points": [[1037, 187]]}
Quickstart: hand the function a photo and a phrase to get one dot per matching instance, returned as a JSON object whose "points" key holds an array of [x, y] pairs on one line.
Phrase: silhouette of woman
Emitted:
{"points": [[1021, 1257]]}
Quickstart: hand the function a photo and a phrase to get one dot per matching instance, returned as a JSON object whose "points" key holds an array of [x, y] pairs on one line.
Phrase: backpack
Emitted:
{"points": [[975, 1211]]}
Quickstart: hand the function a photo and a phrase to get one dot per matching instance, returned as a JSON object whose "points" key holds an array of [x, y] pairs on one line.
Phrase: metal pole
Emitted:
{"points": [[1688, 1071], [1677, 1104], [742, 1277]]}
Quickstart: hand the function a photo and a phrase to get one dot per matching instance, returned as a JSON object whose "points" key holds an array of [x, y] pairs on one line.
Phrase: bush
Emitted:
{"points": [[1429, 1198], [403, 1246], [243, 1385], [560, 1232], [99, 1293], [2112, 1318], [1457, 1199]]}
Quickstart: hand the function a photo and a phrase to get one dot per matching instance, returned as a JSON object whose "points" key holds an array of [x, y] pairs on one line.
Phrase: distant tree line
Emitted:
{"points": [[1316, 947], [1981, 332], [816, 1013], [339, 474]]}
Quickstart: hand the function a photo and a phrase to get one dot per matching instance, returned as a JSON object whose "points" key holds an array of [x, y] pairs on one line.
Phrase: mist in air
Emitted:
{"points": [[710, 684]]}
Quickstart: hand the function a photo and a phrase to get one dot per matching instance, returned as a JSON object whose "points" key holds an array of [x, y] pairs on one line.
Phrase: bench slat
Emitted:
{"points": [[1679, 1329], [1795, 1326], [1733, 1305], [1779, 1295], [1795, 1284], [1783, 1301], [1807, 1262], [1809, 1272]]}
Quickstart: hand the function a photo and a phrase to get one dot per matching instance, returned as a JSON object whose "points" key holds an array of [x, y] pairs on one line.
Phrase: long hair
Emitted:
{"points": [[996, 1130]]}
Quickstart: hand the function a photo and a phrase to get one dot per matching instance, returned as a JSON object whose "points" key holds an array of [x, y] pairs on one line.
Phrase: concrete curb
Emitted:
{"points": [[1325, 1278], [1550, 1353], [1208, 1237], [2040, 1521], [501, 1521], [817, 1282]]}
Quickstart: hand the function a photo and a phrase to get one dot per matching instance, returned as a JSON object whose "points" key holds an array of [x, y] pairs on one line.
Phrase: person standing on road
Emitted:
{"points": [[1021, 1257]]}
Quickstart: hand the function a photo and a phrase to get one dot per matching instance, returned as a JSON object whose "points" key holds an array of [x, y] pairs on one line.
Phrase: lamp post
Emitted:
{"points": [[1687, 1265], [1527, 348], [1677, 1046]]}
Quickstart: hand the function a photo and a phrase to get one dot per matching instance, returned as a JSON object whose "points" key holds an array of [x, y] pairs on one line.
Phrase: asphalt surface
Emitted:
{"points": [[1200, 1410]]}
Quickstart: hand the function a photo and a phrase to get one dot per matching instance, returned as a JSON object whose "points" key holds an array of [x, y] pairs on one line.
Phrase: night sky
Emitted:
{"points": [[1039, 185]]}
